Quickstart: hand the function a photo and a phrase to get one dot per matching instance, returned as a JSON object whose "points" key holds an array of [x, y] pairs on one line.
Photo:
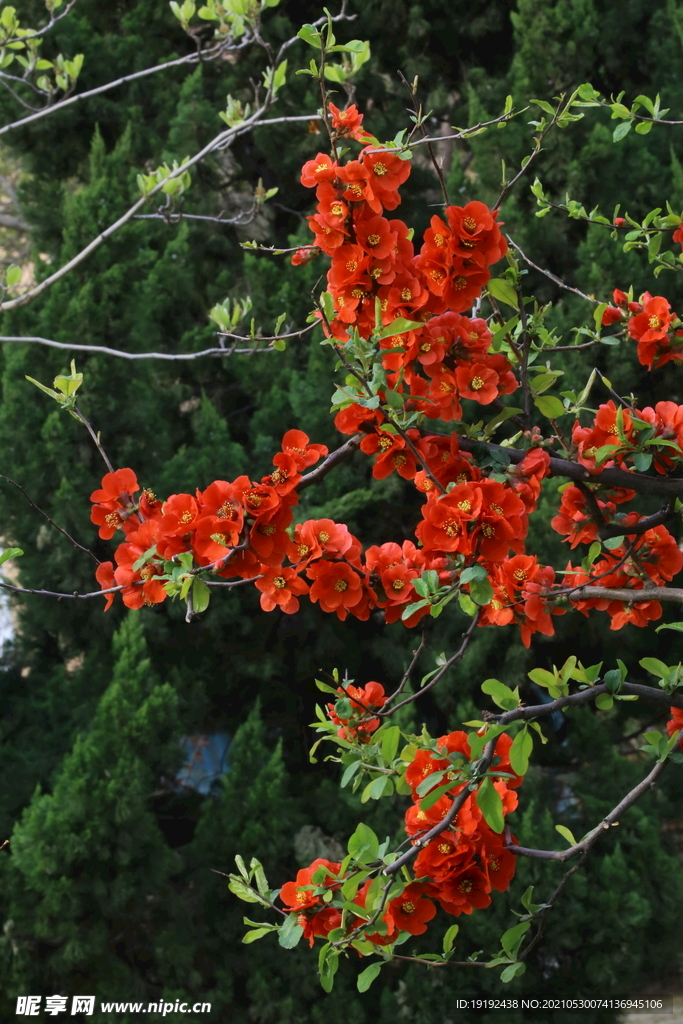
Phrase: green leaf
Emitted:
{"points": [[512, 938], [621, 130], [491, 805], [366, 977], [363, 844], [390, 741], [328, 963], [550, 406], [280, 75], [566, 834], [654, 665], [544, 105], [400, 326], [643, 127], [201, 595], [503, 291], [613, 542], [290, 932], [473, 572], [10, 553], [604, 701], [243, 892], [48, 391], [394, 399], [642, 461], [542, 677], [256, 933], [449, 937], [520, 751], [501, 694], [512, 971], [467, 605], [481, 592], [412, 608], [436, 794], [310, 35], [375, 789], [504, 414], [678, 626], [13, 275]]}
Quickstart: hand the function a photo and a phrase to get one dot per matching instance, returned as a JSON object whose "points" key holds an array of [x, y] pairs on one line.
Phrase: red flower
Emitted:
{"points": [[610, 316], [347, 122], [477, 382], [296, 444], [279, 587], [113, 499], [213, 539], [464, 892], [445, 520], [443, 857], [476, 235], [179, 515], [675, 724], [336, 586], [117, 486], [104, 574], [364, 700], [375, 236], [305, 255], [650, 326], [323, 168], [410, 912], [499, 864]]}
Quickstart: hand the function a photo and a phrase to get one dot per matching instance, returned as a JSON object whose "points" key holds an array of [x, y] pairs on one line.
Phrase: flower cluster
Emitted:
{"points": [[236, 529], [354, 712], [473, 525], [457, 869], [373, 264], [651, 558], [651, 323], [460, 866], [622, 437]]}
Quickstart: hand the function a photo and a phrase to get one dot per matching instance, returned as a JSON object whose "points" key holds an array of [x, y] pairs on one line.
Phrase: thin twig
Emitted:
{"points": [[221, 140], [432, 155], [50, 521], [190, 58], [557, 281], [409, 671], [120, 354], [467, 636], [96, 438]]}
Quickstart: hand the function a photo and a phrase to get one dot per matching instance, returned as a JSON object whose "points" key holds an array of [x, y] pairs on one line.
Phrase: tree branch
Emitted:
{"points": [[611, 819], [190, 58], [611, 477], [340, 455], [220, 140], [647, 693], [120, 354]]}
